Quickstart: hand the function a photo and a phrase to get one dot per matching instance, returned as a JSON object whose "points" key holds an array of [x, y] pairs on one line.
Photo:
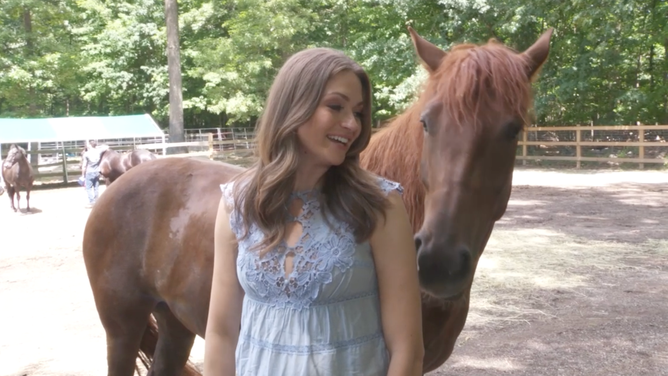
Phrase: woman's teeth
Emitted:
{"points": [[342, 140]]}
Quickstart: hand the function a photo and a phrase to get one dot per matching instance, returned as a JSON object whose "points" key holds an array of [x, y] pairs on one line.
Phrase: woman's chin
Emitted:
{"points": [[337, 161]]}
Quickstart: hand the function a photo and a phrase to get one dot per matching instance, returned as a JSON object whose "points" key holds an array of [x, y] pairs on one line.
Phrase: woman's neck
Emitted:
{"points": [[309, 177]]}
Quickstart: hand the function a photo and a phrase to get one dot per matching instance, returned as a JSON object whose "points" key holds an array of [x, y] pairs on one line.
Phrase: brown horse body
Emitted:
{"points": [[17, 173], [166, 271], [114, 164], [453, 152]]}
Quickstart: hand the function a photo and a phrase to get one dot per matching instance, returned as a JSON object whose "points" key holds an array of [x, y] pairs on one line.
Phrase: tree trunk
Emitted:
{"points": [[29, 52], [665, 83], [176, 132], [32, 105]]}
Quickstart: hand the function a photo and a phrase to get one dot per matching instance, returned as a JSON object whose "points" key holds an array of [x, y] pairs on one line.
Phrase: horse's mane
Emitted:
{"points": [[469, 80], [394, 152], [474, 78]]}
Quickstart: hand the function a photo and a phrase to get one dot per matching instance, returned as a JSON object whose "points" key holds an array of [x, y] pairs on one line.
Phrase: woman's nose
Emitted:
{"points": [[350, 122]]}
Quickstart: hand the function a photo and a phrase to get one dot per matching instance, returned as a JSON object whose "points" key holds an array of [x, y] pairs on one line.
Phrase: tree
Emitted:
{"points": [[176, 132]]}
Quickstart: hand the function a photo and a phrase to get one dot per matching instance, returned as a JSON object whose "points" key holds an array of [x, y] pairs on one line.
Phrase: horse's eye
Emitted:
{"points": [[512, 129], [424, 125]]}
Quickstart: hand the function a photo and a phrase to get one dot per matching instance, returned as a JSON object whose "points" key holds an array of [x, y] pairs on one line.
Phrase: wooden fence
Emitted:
{"points": [[561, 143], [639, 145], [636, 144], [55, 163]]}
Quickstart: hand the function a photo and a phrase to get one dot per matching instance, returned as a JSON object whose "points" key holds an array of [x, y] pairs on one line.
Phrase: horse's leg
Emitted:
{"points": [[10, 192], [28, 199], [174, 344], [96, 187], [18, 198], [124, 319]]}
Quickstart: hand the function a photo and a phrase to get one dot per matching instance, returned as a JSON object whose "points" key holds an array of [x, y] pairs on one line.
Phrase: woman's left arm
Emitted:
{"points": [[396, 266]]}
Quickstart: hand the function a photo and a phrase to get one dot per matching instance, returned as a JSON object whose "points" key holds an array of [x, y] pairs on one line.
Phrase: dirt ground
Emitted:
{"points": [[573, 282]]}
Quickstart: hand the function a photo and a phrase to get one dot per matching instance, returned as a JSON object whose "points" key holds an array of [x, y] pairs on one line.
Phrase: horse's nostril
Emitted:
{"points": [[465, 259], [418, 243]]}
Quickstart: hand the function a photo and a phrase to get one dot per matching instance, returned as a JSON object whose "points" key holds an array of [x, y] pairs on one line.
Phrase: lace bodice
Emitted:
{"points": [[319, 249]]}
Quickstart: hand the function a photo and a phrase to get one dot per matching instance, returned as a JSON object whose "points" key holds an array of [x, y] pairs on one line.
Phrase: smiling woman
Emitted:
{"points": [[314, 257], [336, 123]]}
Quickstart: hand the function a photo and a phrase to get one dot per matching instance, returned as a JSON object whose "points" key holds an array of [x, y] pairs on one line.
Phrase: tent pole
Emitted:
{"points": [[65, 177]]}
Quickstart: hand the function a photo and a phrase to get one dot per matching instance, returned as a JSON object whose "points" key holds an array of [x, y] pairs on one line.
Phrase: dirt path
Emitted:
{"points": [[573, 282]]}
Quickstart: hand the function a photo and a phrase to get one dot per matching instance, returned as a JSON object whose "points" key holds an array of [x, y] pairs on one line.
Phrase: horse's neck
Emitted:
{"points": [[442, 322], [395, 153], [23, 162]]}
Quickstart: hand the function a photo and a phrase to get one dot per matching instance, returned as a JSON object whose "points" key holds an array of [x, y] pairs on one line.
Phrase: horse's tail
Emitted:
{"points": [[147, 348]]}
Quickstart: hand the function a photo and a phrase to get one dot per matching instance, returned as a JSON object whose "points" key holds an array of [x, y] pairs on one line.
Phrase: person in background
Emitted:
{"points": [[90, 170], [314, 260]]}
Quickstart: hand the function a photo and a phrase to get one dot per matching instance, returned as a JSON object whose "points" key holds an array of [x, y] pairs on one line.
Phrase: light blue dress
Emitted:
{"points": [[323, 319]]}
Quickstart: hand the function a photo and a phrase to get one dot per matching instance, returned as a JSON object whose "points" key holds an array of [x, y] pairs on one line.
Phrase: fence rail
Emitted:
{"points": [[541, 144], [638, 144], [610, 145]]}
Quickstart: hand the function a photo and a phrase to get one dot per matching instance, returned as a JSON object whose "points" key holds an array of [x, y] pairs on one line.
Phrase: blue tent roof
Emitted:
{"points": [[78, 128]]}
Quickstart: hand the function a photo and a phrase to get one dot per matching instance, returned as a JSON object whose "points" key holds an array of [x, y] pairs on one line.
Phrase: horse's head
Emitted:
{"points": [[15, 154], [474, 106]]}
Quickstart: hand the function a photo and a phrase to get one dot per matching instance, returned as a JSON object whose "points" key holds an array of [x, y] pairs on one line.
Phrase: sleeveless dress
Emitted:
{"points": [[323, 319]]}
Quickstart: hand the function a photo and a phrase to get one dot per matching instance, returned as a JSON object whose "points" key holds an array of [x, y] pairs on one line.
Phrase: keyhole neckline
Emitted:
{"points": [[305, 192]]}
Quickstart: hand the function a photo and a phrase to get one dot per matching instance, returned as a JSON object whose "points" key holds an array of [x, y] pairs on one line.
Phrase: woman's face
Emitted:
{"points": [[327, 136]]}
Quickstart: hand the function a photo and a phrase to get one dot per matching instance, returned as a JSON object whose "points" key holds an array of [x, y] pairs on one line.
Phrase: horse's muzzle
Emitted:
{"points": [[444, 270]]}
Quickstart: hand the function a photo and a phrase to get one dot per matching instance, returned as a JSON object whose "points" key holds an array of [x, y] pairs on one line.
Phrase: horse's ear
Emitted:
{"points": [[430, 55], [537, 53]]}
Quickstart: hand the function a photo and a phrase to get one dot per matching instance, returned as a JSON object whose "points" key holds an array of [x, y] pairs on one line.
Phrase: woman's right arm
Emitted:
{"points": [[224, 319]]}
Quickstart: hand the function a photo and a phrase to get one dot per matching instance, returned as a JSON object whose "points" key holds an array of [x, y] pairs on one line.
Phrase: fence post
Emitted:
{"points": [[524, 147], [578, 147], [641, 148], [210, 136], [65, 177]]}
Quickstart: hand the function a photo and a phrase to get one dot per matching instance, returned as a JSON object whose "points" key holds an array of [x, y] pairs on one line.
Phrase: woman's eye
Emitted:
{"points": [[335, 107]]}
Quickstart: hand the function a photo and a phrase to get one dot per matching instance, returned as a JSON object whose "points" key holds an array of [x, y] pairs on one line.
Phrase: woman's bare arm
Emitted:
{"points": [[395, 259], [224, 319]]}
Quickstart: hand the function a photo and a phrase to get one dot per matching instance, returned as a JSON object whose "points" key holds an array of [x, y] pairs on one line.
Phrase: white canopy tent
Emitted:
{"points": [[78, 129]]}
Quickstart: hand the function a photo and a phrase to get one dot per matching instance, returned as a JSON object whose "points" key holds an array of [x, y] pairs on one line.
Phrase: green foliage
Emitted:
{"points": [[607, 63]]}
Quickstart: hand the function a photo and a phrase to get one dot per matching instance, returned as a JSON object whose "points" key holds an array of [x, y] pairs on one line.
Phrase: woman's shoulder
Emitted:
{"points": [[387, 185], [230, 189]]}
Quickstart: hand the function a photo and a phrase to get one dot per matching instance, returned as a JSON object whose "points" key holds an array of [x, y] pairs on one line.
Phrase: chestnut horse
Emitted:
{"points": [[114, 164], [17, 174], [453, 151]]}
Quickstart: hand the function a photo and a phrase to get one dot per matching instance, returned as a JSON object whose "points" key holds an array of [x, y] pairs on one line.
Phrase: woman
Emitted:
{"points": [[314, 257]]}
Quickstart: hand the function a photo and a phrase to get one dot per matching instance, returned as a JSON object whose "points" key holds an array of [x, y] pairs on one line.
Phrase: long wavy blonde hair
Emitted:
{"points": [[348, 192]]}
